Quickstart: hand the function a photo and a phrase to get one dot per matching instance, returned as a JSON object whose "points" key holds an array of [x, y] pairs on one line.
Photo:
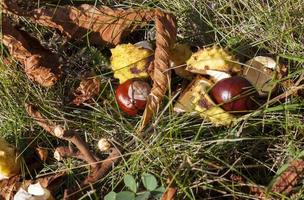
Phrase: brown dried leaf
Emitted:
{"points": [[169, 194], [289, 178], [165, 38], [9, 186], [40, 65], [101, 25], [42, 153], [258, 192], [88, 88]]}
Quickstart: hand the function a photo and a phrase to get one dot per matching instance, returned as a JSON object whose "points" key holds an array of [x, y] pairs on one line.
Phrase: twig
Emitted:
{"points": [[105, 167], [98, 170], [169, 194], [64, 152], [59, 132]]}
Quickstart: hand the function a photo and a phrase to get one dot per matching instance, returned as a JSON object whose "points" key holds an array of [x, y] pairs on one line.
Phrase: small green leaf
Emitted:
{"points": [[125, 195], [110, 196], [130, 183], [160, 189], [149, 181], [143, 196], [158, 192]]}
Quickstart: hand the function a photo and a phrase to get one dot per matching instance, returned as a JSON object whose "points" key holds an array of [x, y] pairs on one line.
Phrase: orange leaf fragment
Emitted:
{"points": [[289, 178], [42, 153], [88, 88]]}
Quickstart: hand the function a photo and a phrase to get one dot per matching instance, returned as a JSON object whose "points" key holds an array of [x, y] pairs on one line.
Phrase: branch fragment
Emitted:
{"points": [[65, 152], [58, 131], [98, 170]]}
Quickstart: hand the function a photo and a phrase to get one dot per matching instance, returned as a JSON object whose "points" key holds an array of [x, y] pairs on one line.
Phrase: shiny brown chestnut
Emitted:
{"points": [[131, 96], [235, 94]]}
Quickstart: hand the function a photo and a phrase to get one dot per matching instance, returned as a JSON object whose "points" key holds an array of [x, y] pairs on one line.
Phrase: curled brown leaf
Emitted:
{"points": [[88, 88], [8, 187], [165, 38], [169, 194], [42, 153], [289, 178], [40, 65], [101, 25]]}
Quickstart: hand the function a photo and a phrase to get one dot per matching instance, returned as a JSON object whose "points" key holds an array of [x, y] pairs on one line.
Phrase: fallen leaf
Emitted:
{"points": [[165, 38], [8, 187], [289, 178], [42, 153], [101, 25], [40, 65], [88, 88], [169, 194]]}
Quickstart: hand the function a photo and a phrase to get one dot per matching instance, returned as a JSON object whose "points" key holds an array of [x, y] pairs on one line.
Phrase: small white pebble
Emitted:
{"points": [[22, 195], [58, 131], [36, 189], [57, 156], [103, 144]]}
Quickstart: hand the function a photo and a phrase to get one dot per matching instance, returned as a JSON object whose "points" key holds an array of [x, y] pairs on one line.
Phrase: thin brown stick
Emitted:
{"points": [[98, 170], [286, 94], [65, 152], [105, 168], [169, 194], [59, 132]]}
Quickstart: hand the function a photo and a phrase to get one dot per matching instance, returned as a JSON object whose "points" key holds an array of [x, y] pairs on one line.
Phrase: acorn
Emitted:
{"points": [[131, 96], [235, 94]]}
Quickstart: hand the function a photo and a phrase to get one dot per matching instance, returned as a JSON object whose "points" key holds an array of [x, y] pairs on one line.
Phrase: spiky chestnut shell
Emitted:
{"points": [[235, 94], [212, 58], [205, 106], [131, 96], [130, 61]]}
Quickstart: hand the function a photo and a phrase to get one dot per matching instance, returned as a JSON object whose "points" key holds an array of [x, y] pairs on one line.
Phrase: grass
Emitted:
{"points": [[199, 157]]}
